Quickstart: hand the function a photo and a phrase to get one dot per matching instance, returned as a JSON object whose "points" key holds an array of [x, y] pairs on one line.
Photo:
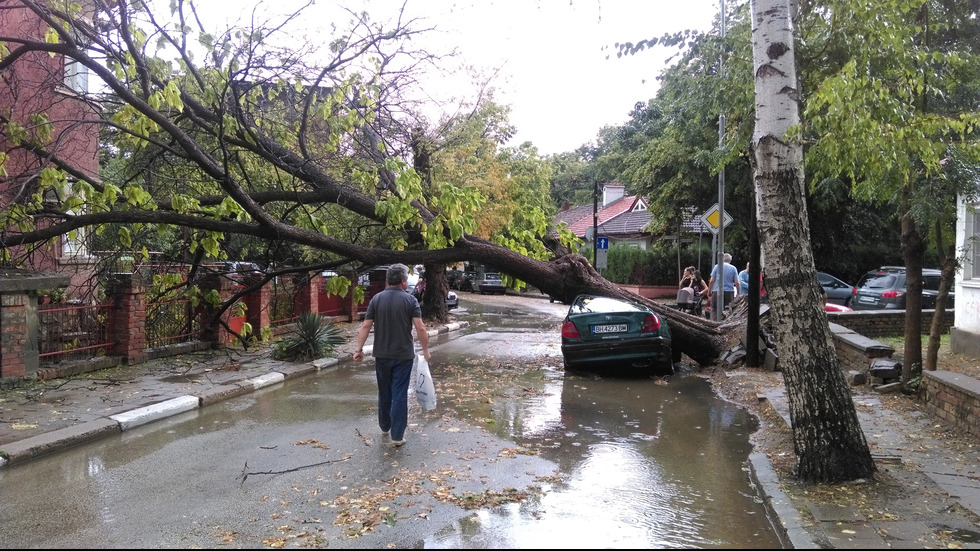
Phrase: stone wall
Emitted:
{"points": [[857, 352], [952, 397], [885, 323]]}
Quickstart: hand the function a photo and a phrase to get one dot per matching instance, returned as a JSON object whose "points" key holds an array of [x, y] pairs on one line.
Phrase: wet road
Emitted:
{"points": [[570, 461]]}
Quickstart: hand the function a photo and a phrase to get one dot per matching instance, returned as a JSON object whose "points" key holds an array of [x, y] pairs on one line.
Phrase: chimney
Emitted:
{"points": [[612, 193]]}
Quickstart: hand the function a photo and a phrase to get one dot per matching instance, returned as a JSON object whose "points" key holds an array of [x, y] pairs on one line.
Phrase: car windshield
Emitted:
{"points": [[589, 304], [878, 281]]}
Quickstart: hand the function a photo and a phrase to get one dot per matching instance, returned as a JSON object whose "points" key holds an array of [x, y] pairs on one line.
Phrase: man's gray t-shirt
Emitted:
{"points": [[392, 311]]}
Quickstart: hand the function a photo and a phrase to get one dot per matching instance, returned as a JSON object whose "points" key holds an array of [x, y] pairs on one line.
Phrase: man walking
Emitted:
{"points": [[729, 278], [392, 313]]}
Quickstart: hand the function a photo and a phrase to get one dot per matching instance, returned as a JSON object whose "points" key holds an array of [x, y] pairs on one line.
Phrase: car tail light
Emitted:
{"points": [[892, 294], [652, 323], [854, 290], [569, 331]]}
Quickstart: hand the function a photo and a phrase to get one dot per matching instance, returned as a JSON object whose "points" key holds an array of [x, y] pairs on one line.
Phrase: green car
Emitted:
{"points": [[603, 334]]}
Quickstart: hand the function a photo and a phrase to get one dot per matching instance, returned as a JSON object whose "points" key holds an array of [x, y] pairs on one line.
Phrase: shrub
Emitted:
{"points": [[310, 340], [655, 266]]}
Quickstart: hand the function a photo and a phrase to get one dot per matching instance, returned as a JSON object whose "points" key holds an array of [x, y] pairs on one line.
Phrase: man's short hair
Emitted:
{"points": [[397, 273], [727, 257]]}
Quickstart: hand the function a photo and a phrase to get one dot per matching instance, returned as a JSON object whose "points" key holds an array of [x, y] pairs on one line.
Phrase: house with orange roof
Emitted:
{"points": [[622, 218]]}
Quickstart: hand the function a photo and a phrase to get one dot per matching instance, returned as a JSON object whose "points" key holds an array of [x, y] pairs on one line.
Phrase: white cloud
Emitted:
{"points": [[560, 72], [557, 63]]}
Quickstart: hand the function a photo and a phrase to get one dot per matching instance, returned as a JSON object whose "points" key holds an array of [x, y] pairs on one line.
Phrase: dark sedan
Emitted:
{"points": [[602, 334]]}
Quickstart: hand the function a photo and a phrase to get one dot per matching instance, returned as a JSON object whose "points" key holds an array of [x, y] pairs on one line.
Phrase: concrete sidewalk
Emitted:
{"points": [[56, 414], [913, 456]]}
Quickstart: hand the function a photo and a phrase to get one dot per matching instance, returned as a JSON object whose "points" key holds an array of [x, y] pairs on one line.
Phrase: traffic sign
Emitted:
{"points": [[601, 252], [713, 217]]}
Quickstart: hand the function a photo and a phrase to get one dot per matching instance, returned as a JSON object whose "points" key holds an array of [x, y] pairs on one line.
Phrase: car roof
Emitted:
{"points": [[929, 271]]}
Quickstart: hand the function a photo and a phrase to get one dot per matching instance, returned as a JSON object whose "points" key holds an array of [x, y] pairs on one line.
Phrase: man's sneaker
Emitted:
{"points": [[397, 443], [385, 432]]}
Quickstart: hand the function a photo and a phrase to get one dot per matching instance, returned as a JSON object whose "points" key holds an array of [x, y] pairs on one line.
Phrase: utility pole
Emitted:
{"points": [[595, 222], [716, 309]]}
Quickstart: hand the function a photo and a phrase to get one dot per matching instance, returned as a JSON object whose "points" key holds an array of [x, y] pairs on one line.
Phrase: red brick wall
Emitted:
{"points": [[13, 335]]}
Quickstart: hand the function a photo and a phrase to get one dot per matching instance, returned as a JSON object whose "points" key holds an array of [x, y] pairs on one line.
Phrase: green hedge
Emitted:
{"points": [[656, 266]]}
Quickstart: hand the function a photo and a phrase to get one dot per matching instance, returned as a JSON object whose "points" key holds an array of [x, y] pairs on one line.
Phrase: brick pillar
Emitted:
{"points": [[18, 342], [257, 309], [307, 289], [216, 333], [127, 324]]}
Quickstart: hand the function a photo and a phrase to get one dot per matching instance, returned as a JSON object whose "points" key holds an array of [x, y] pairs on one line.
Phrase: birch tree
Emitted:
{"points": [[829, 444]]}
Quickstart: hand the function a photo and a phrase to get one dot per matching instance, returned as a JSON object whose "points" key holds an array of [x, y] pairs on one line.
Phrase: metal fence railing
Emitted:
{"points": [[171, 322], [72, 332], [282, 303]]}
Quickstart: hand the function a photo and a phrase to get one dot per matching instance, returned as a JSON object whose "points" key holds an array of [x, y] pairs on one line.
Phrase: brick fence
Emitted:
{"points": [[885, 323], [126, 324], [952, 397]]}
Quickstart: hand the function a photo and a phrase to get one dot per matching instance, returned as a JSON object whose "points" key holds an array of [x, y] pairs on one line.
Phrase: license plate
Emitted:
{"points": [[866, 299], [617, 328]]}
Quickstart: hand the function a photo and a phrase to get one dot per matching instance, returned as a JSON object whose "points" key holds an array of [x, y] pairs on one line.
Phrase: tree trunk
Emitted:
{"points": [[947, 266], [434, 297], [830, 446], [913, 249]]}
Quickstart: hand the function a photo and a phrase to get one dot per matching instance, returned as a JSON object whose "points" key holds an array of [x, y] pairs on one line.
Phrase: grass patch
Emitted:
{"points": [[898, 343]]}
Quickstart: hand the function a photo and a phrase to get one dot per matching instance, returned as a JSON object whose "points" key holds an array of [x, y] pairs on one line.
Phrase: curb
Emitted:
{"points": [[792, 534], [44, 444]]}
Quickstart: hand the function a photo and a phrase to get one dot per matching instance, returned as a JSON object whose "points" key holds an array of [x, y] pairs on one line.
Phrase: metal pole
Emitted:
{"points": [[595, 221], [720, 262]]}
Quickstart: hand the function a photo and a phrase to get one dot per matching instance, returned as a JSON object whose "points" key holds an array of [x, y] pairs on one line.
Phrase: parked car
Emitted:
{"points": [[834, 307], [838, 291], [466, 282], [600, 334], [242, 271], [452, 301], [491, 283], [885, 289]]}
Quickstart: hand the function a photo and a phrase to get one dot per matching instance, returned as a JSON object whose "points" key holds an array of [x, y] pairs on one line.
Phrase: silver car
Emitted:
{"points": [[838, 291]]}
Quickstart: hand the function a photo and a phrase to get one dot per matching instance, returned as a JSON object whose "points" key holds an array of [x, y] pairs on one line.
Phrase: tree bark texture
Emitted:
{"points": [[827, 437], [913, 248]]}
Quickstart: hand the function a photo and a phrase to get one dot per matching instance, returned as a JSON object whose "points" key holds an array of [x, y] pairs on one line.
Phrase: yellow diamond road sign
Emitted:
{"points": [[713, 217]]}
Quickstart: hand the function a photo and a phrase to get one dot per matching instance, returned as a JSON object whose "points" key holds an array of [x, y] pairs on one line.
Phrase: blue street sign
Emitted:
{"points": [[602, 243]]}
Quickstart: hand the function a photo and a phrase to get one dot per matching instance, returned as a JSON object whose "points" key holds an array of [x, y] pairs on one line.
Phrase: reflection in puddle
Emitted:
{"points": [[640, 463]]}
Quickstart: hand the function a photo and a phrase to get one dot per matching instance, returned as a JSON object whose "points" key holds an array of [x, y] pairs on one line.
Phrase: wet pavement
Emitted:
{"points": [[941, 506], [56, 414]]}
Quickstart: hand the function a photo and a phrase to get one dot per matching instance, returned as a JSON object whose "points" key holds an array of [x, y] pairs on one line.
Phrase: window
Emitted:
{"points": [[76, 76], [972, 271], [73, 245]]}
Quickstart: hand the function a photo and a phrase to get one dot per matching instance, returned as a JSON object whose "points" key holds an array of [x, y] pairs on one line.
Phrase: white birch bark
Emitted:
{"points": [[827, 436]]}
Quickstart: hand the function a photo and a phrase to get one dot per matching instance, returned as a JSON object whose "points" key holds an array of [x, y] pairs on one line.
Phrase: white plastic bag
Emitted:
{"points": [[422, 385]]}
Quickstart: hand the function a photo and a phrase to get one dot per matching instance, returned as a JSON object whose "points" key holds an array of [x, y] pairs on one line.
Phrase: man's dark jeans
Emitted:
{"points": [[393, 377]]}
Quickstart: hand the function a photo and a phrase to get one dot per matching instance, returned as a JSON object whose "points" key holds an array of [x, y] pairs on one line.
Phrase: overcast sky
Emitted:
{"points": [[558, 68]]}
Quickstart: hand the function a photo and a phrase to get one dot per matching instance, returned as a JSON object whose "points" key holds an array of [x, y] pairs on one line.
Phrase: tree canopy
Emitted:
{"points": [[230, 133]]}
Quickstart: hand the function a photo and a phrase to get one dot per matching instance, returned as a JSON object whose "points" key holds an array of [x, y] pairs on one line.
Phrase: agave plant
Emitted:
{"points": [[311, 339]]}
